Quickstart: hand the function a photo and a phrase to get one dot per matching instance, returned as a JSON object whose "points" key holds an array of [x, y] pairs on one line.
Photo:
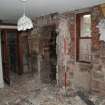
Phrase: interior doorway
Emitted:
{"points": [[48, 51], [10, 54], [53, 56], [12, 51]]}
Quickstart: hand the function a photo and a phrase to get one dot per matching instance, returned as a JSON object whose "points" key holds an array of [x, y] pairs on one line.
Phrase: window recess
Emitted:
{"points": [[83, 33]]}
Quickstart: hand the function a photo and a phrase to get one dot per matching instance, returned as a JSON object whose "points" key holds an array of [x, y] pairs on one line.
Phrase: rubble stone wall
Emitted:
{"points": [[79, 75], [98, 61], [85, 75]]}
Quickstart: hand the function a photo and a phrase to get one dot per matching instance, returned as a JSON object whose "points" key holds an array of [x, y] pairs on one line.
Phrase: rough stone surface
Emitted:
{"points": [[80, 75]]}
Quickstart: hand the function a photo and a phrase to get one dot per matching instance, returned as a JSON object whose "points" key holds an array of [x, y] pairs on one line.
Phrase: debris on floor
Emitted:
{"points": [[28, 91]]}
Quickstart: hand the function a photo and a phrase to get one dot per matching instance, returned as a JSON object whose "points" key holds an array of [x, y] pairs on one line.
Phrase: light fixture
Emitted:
{"points": [[24, 23]]}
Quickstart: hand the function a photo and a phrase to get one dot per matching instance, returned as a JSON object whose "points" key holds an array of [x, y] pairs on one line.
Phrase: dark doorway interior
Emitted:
{"points": [[48, 52], [12, 51], [53, 56]]}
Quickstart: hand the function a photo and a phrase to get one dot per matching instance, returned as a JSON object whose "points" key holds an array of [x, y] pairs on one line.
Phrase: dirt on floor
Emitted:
{"points": [[28, 90]]}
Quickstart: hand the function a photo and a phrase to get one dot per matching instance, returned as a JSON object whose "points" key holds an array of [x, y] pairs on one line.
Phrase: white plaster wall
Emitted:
{"points": [[1, 73]]}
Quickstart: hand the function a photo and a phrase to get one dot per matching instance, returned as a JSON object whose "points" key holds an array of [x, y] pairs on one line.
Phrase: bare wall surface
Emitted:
{"points": [[1, 72]]}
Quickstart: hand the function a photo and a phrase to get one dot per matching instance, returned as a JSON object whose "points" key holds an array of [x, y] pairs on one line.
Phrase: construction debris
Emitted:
{"points": [[27, 91]]}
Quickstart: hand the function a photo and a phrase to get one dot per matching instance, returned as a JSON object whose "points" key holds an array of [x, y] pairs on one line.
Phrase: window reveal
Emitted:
{"points": [[83, 22]]}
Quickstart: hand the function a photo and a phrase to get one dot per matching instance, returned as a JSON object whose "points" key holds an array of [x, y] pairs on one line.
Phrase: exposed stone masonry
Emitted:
{"points": [[80, 75]]}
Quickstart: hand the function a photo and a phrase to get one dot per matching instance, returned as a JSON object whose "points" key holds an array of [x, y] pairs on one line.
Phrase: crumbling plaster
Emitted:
{"points": [[78, 78], [83, 73], [79, 74]]}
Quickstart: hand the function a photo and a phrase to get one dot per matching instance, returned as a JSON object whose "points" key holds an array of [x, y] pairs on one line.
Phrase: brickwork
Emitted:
{"points": [[94, 80], [87, 71], [98, 49]]}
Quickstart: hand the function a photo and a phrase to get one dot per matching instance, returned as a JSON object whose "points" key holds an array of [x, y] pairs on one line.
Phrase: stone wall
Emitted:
{"points": [[98, 48], [98, 70], [90, 77], [79, 75]]}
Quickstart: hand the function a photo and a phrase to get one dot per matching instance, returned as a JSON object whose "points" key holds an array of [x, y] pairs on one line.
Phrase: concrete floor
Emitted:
{"points": [[27, 90]]}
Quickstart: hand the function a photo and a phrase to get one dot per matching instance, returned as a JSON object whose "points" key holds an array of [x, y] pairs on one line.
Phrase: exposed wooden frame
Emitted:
{"points": [[18, 48], [78, 37]]}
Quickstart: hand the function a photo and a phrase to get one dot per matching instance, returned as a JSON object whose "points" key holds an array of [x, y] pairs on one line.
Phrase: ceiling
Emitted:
{"points": [[11, 10]]}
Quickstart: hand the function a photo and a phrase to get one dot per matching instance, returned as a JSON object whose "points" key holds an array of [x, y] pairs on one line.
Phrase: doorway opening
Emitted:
{"points": [[48, 51], [10, 55], [12, 51], [53, 56], [13, 59]]}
